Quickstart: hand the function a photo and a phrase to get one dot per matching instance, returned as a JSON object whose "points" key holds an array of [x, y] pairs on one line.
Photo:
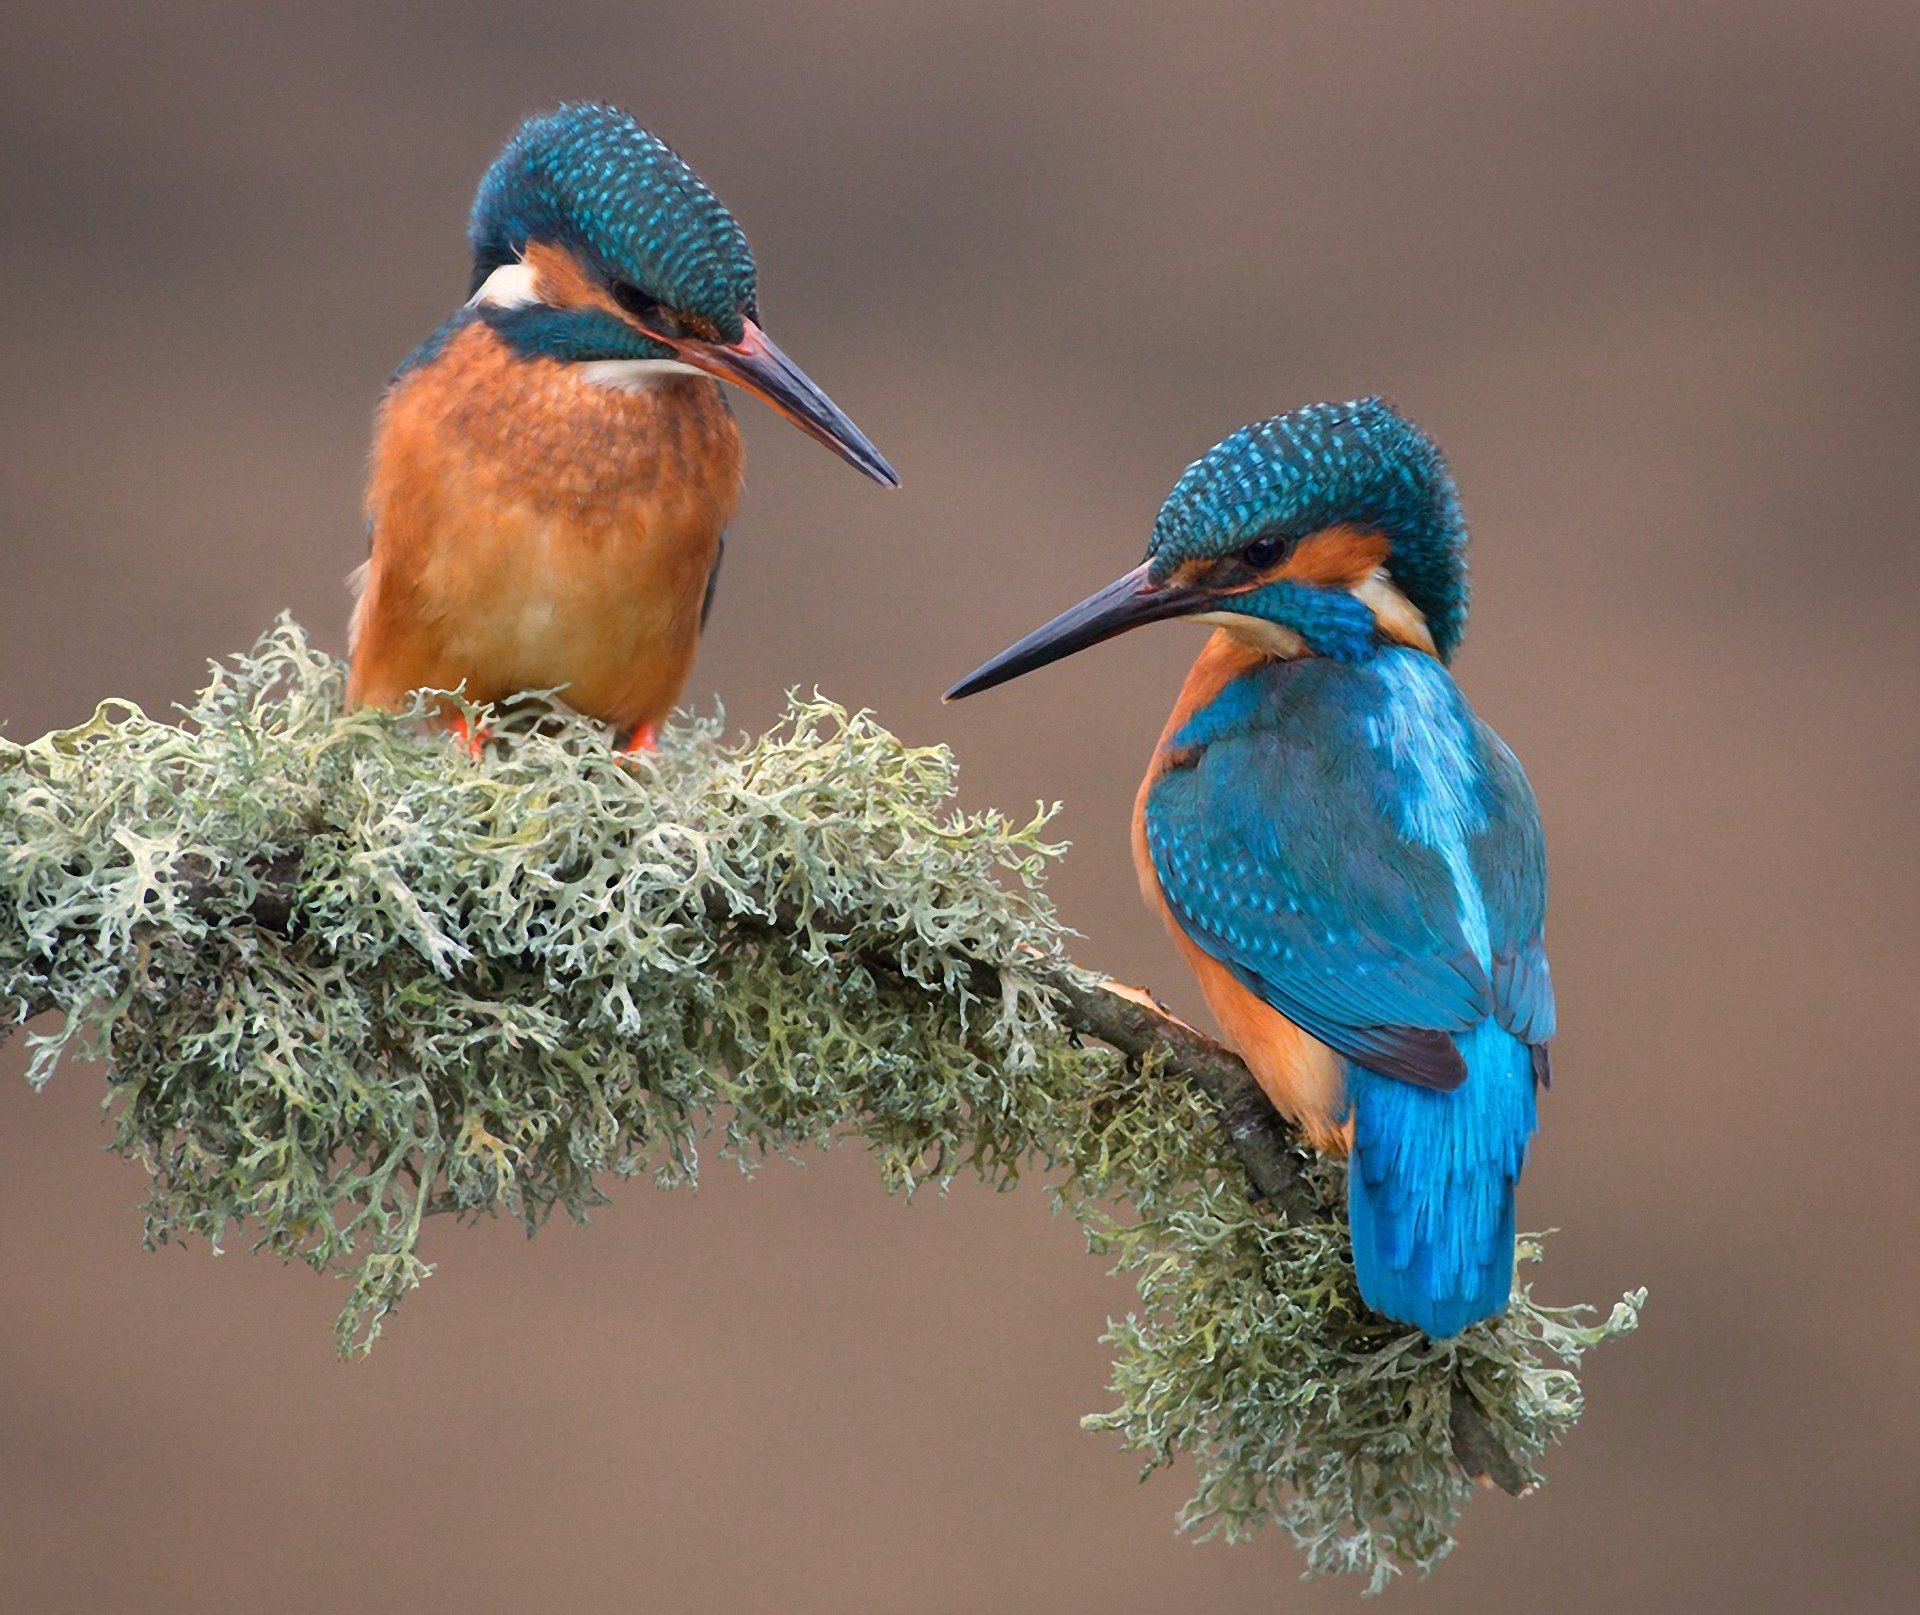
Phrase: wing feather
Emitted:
{"points": [[1277, 851]]}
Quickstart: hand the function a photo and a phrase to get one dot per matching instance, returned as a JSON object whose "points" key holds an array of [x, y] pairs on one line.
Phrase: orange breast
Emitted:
{"points": [[1302, 1076], [531, 529]]}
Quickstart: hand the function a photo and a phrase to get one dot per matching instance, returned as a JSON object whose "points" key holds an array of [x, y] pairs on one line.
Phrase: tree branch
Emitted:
{"points": [[1134, 1023], [1128, 1020], [347, 980]]}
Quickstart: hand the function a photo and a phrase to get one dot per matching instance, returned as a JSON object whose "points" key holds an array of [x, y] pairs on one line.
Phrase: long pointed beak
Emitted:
{"points": [[757, 365], [1124, 603]]}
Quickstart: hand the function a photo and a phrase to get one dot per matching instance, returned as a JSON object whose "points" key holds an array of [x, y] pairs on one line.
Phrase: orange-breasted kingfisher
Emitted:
{"points": [[554, 469], [1350, 860]]}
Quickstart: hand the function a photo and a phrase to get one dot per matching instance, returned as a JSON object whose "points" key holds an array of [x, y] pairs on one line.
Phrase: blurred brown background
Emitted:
{"points": [[1649, 271]]}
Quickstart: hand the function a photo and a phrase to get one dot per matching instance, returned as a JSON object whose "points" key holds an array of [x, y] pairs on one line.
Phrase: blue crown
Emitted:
{"points": [[591, 179], [1361, 463]]}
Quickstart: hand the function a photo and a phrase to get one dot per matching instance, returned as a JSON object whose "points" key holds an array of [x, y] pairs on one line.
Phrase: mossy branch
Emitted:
{"points": [[346, 978]]}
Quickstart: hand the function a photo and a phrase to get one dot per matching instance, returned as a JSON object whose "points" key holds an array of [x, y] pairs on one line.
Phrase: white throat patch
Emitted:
{"points": [[1268, 638], [631, 375]]}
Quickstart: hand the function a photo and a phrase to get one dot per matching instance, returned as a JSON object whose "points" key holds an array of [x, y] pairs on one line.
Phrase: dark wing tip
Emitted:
{"points": [[1416, 1054], [1542, 1064]]}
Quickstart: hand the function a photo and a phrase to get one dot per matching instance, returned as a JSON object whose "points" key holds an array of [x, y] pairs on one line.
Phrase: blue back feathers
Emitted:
{"points": [[590, 178], [1364, 854], [1360, 463]]}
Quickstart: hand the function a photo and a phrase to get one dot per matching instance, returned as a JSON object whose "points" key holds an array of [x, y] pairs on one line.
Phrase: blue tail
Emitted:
{"points": [[1430, 1186]]}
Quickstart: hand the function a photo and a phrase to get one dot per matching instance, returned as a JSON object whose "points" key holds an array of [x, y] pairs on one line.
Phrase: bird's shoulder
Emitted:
{"points": [[429, 351], [1280, 818], [1390, 739]]}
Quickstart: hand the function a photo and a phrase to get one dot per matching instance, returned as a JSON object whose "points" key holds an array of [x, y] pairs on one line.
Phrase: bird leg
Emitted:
{"points": [[645, 738], [473, 736]]}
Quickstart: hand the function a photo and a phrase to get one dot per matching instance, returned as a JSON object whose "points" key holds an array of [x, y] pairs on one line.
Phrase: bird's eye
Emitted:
{"points": [[1264, 551], [649, 311]]}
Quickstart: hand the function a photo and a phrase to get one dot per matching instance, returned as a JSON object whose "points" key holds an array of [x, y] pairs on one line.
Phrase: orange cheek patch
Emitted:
{"points": [[1336, 557], [564, 283]]}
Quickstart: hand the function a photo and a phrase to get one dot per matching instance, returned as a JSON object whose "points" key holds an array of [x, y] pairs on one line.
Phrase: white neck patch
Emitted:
{"points": [[509, 286], [1398, 616]]}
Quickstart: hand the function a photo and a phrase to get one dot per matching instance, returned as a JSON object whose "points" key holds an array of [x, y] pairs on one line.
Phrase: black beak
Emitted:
{"points": [[1124, 603], [757, 365]]}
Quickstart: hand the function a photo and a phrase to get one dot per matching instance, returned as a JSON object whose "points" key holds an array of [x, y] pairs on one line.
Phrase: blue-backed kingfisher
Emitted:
{"points": [[555, 467], [1350, 860]]}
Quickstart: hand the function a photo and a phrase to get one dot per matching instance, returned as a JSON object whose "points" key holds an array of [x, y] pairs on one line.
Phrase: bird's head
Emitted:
{"points": [[594, 244], [1327, 531]]}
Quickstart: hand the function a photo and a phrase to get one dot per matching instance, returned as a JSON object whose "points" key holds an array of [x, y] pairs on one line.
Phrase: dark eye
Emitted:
{"points": [[649, 311], [1264, 551]]}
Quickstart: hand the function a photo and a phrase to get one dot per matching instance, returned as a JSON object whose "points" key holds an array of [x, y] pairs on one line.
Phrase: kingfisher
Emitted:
{"points": [[554, 468], [1349, 859]]}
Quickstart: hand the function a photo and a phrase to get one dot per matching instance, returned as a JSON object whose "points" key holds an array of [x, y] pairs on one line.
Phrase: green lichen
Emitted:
{"points": [[344, 977]]}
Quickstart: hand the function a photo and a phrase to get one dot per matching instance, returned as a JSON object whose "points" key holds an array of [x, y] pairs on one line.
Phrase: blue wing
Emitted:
{"points": [[1509, 858], [1302, 838]]}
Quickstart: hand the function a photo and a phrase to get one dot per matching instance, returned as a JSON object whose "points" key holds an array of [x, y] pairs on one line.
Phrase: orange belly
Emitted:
{"points": [[1304, 1078], [532, 530]]}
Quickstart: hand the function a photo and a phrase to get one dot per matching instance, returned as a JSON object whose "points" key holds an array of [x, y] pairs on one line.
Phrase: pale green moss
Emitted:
{"points": [[494, 986]]}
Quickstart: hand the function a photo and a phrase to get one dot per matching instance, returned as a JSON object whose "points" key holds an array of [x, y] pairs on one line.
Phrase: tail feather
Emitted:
{"points": [[1430, 1185]]}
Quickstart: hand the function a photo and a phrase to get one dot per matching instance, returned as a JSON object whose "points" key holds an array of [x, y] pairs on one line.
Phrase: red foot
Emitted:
{"points": [[645, 738], [473, 737]]}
